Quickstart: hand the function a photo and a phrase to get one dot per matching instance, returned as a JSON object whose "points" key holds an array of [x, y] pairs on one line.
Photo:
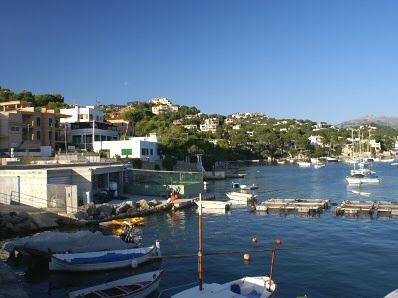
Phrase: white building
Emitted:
{"points": [[190, 126], [86, 124], [137, 147], [211, 124], [82, 114], [316, 140], [163, 105]]}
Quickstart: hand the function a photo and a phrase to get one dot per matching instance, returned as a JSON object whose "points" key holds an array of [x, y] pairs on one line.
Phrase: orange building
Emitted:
{"points": [[28, 130]]}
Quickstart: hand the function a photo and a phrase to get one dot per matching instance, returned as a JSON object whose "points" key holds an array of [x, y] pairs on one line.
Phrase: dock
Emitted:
{"points": [[308, 206], [372, 208]]}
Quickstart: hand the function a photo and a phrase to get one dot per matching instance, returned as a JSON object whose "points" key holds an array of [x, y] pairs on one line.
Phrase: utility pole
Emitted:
{"points": [[66, 147]]}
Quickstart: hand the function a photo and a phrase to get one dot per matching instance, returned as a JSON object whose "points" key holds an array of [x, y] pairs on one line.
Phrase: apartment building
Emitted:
{"points": [[162, 105], [210, 124], [86, 124], [25, 130]]}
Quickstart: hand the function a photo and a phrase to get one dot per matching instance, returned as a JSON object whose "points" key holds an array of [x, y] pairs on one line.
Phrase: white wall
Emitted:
{"points": [[136, 145], [76, 111]]}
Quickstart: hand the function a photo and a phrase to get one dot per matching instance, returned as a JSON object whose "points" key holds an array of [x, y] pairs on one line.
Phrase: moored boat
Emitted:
{"points": [[248, 187], [103, 260], [258, 286], [239, 197], [304, 164], [319, 165], [137, 286], [393, 294], [211, 205], [362, 179]]}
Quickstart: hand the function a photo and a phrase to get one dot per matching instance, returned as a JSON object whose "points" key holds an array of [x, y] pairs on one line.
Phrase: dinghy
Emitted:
{"points": [[103, 260], [137, 286]]}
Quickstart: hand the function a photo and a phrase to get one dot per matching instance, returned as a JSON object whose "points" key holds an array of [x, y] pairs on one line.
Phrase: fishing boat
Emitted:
{"points": [[394, 164], [137, 286], [281, 161], [220, 205], [239, 197], [131, 220], [362, 179], [248, 187], [103, 260], [259, 286]]}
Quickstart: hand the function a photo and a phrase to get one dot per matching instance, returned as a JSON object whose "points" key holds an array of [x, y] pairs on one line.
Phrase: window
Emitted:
{"points": [[50, 122], [97, 118], [50, 136], [38, 121], [38, 135], [14, 128], [91, 117], [144, 151], [151, 151]]}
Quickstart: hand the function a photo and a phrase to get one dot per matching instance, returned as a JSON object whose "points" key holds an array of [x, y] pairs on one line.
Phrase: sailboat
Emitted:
{"points": [[256, 287]]}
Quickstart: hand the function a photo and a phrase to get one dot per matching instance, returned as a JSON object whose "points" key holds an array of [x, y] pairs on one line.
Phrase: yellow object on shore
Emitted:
{"points": [[131, 220]]}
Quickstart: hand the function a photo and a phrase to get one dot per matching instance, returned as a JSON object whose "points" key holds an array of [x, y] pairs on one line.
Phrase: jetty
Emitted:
{"points": [[373, 208], [308, 206]]}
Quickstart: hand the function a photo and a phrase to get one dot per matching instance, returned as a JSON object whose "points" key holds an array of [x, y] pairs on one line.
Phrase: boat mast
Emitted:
{"points": [[277, 242], [200, 253]]}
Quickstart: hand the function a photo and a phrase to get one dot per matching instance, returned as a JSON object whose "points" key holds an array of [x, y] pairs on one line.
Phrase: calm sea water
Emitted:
{"points": [[327, 256]]}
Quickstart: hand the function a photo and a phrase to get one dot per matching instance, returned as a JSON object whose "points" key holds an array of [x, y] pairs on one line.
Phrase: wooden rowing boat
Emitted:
{"points": [[137, 286]]}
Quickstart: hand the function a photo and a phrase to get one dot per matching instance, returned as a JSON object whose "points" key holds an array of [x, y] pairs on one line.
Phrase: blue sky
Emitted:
{"points": [[319, 60]]}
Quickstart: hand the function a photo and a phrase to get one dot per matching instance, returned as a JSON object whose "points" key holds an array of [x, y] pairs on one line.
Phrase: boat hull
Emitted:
{"points": [[240, 198], [214, 205], [150, 279], [57, 263], [247, 287]]}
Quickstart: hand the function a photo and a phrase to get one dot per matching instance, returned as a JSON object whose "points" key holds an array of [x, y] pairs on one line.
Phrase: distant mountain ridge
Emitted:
{"points": [[369, 119]]}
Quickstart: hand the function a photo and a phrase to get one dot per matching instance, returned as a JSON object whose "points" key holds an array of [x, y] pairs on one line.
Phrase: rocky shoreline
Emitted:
{"points": [[24, 220]]}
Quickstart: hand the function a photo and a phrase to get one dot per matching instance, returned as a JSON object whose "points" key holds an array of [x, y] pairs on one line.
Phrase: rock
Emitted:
{"points": [[105, 210], [80, 215], [123, 207], [143, 204], [153, 203], [91, 210]]}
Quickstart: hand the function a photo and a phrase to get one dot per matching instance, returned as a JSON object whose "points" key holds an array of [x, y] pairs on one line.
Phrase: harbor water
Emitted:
{"points": [[325, 256]]}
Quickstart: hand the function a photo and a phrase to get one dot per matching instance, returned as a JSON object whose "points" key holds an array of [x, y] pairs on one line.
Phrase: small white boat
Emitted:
{"points": [[393, 294], [394, 164], [258, 286], [319, 165], [387, 160], [239, 197], [103, 260], [304, 164], [137, 286], [248, 187], [314, 160], [362, 179], [332, 159], [281, 162], [211, 205], [361, 193]]}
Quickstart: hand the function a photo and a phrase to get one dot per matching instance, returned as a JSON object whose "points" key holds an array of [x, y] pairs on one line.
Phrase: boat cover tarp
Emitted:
{"points": [[60, 242], [109, 257]]}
